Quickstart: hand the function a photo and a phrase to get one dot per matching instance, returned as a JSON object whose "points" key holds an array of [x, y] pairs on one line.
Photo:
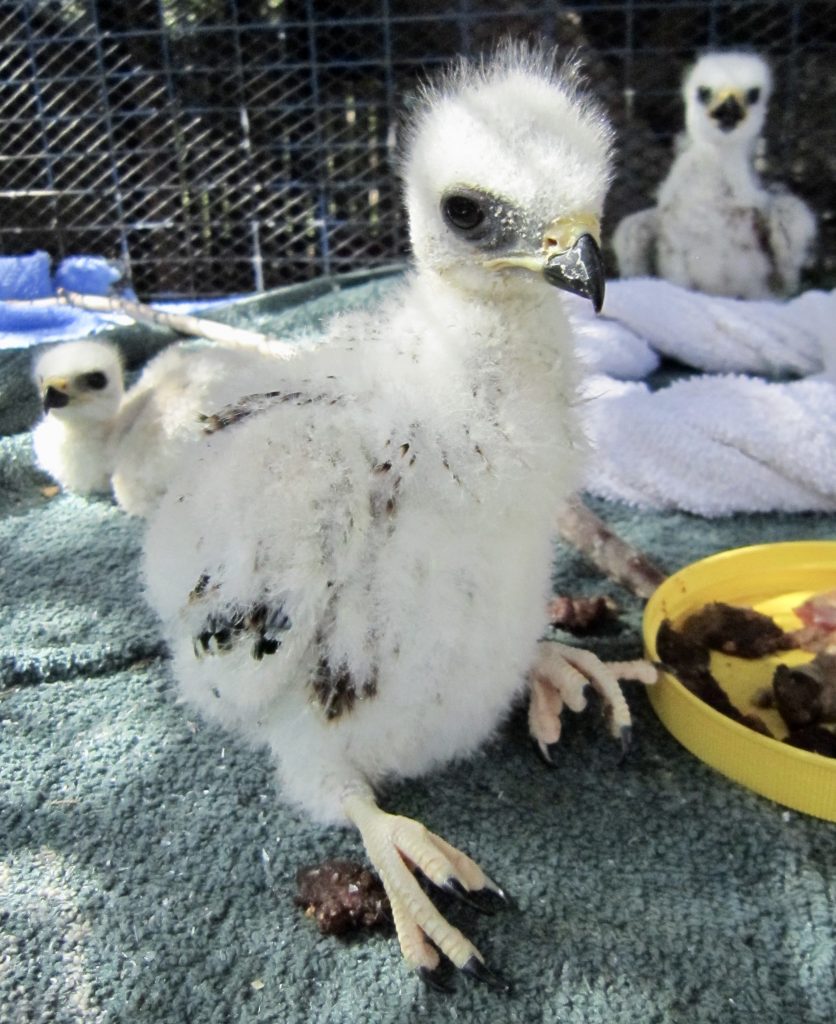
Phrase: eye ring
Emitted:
{"points": [[704, 95], [462, 212]]}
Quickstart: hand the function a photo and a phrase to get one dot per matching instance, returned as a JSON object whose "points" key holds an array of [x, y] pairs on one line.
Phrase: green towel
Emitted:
{"points": [[148, 864]]}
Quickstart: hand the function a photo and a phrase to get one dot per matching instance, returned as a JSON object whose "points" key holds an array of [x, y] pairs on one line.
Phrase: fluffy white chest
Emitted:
{"points": [[713, 235], [77, 455], [402, 525]]}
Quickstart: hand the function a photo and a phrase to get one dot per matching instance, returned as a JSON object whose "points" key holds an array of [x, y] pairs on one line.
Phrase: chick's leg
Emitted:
{"points": [[393, 844], [560, 677]]}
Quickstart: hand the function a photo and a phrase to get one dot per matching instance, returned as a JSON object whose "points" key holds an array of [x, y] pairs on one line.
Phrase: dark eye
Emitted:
{"points": [[95, 381], [462, 212], [704, 95], [752, 96]]}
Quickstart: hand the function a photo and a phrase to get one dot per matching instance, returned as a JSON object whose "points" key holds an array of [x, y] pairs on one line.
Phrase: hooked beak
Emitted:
{"points": [[55, 394], [570, 258], [729, 112], [579, 270]]}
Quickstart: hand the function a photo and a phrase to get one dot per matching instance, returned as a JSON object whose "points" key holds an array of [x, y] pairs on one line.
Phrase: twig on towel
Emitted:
{"points": [[617, 559], [182, 323]]}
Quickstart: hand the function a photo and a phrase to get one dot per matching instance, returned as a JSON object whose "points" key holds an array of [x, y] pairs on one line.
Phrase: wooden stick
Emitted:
{"points": [[182, 323], [617, 559]]}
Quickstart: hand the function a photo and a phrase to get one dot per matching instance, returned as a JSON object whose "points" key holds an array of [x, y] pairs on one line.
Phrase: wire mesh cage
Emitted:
{"points": [[225, 146]]}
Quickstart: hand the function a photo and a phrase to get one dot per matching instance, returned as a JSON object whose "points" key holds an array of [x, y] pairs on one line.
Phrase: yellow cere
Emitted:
{"points": [[563, 232]]}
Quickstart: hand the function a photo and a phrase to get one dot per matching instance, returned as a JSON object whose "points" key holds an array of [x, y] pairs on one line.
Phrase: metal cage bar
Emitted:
{"points": [[225, 146]]}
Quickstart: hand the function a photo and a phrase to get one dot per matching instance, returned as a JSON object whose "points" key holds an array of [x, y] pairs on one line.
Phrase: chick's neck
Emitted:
{"points": [[511, 346]]}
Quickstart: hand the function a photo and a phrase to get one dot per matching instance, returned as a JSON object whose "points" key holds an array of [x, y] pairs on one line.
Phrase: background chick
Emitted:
{"points": [[95, 437], [716, 228], [81, 388], [355, 572]]}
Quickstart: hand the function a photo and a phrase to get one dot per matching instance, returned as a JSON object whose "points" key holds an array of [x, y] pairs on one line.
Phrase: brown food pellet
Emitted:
{"points": [[814, 738], [342, 896], [689, 661], [578, 614], [806, 695]]}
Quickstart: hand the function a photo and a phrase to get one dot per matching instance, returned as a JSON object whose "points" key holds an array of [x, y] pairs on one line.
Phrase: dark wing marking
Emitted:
{"points": [[200, 588], [334, 687], [763, 236], [386, 480], [256, 403], [237, 411], [336, 690], [258, 624]]}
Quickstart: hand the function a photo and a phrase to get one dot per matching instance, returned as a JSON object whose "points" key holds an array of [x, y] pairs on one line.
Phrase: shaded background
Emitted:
{"points": [[226, 146]]}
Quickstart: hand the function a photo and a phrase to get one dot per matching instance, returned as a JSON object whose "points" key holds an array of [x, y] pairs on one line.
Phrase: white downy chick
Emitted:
{"points": [[355, 571], [95, 437], [716, 228], [81, 388]]}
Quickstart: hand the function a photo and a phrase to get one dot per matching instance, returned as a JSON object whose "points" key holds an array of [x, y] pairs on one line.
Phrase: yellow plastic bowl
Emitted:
{"points": [[774, 579]]}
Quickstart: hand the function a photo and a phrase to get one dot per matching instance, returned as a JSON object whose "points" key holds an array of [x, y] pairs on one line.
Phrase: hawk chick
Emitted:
{"points": [[356, 575], [94, 436], [716, 228]]}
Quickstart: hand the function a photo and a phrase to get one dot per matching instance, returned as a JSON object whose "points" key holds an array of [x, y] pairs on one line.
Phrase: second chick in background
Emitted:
{"points": [[95, 436], [716, 227]]}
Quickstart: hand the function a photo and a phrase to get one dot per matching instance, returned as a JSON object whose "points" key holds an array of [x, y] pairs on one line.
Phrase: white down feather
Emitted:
{"points": [[716, 228], [399, 507], [129, 442]]}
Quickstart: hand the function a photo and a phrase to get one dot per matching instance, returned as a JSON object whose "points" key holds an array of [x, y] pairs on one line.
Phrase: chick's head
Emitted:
{"points": [[505, 174], [80, 381], [726, 97]]}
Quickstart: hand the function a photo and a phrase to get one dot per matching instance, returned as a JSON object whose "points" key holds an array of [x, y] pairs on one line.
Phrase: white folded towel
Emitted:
{"points": [[716, 334], [718, 444], [607, 346], [714, 445]]}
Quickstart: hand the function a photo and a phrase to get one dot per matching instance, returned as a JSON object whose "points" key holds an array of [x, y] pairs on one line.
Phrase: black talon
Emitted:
{"points": [[473, 898], [502, 896], [477, 969], [541, 753], [548, 753], [497, 898], [435, 979], [626, 740]]}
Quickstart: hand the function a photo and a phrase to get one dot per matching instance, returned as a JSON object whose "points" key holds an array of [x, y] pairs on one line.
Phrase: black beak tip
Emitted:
{"points": [[54, 399], [728, 115], [597, 295], [580, 270]]}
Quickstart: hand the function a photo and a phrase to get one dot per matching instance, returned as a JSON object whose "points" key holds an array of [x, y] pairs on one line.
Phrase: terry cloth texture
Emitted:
{"points": [[714, 445], [724, 442], [148, 864], [722, 335]]}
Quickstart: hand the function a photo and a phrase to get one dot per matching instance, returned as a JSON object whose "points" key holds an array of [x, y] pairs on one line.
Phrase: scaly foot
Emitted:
{"points": [[395, 845], [560, 677]]}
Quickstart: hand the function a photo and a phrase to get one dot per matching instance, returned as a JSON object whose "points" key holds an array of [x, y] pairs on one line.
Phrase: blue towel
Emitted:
{"points": [[26, 277], [30, 277]]}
